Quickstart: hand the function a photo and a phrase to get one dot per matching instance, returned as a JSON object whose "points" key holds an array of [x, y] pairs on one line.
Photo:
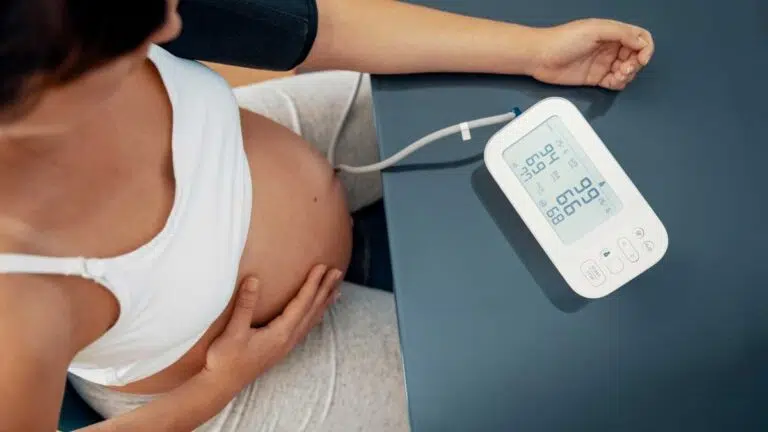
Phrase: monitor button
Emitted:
{"points": [[649, 246], [639, 233], [592, 272], [628, 250], [612, 261]]}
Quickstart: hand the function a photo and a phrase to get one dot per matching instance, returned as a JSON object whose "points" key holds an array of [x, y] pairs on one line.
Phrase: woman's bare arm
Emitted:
{"points": [[38, 340], [395, 37], [35, 337], [390, 37], [183, 409]]}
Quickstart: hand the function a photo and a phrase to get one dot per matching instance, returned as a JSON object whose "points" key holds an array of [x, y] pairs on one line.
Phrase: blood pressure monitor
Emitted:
{"points": [[580, 205]]}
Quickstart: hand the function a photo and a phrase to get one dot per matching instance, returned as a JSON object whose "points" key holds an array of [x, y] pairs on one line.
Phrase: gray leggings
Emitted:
{"points": [[347, 375]]}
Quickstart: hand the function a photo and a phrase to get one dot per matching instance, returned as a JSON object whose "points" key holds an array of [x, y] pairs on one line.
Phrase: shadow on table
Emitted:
{"points": [[436, 166], [525, 245]]}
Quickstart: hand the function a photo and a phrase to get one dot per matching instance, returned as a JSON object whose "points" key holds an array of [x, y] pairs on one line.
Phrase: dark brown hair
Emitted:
{"points": [[49, 42]]}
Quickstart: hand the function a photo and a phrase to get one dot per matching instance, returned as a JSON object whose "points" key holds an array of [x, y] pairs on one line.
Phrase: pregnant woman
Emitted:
{"points": [[176, 249]]}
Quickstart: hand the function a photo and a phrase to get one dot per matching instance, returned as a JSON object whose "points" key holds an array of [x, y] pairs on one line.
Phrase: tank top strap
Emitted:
{"points": [[92, 269]]}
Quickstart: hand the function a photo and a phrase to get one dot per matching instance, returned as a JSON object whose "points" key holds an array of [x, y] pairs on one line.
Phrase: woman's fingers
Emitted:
{"points": [[247, 298], [327, 290], [645, 54], [631, 65], [249, 352], [623, 71], [294, 313], [624, 53], [329, 295], [633, 39], [318, 318], [286, 325], [615, 31], [616, 66], [631, 76], [612, 82]]}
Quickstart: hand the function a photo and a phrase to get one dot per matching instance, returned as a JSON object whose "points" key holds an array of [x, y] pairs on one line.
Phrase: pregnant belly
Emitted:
{"points": [[299, 219]]}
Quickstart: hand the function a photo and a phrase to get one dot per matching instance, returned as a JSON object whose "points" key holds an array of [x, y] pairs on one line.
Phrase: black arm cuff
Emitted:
{"points": [[264, 34]]}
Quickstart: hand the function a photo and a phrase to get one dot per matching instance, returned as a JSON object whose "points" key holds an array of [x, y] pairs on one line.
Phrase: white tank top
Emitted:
{"points": [[171, 289]]}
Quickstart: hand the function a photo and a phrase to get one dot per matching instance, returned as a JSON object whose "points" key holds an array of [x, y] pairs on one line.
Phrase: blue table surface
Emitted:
{"points": [[492, 339]]}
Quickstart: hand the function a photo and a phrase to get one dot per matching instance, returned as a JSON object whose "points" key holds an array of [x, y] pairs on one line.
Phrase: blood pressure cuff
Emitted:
{"points": [[264, 34]]}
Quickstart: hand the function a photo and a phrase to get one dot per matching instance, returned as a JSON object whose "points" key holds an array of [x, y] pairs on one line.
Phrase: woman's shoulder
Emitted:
{"points": [[187, 77], [193, 88]]}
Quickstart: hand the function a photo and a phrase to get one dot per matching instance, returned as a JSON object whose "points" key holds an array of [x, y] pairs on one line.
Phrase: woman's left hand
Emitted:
{"points": [[592, 52]]}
